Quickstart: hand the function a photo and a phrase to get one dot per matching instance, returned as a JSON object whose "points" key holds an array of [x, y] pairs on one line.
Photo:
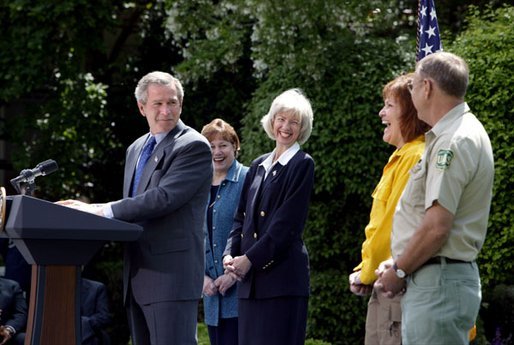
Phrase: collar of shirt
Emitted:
{"points": [[234, 171], [158, 137], [406, 147], [284, 158], [448, 118]]}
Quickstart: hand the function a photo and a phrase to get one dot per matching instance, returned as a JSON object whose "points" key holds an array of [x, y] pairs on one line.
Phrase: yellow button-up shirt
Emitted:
{"points": [[377, 246]]}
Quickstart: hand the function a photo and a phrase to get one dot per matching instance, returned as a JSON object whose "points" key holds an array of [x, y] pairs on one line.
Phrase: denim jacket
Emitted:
{"points": [[227, 199]]}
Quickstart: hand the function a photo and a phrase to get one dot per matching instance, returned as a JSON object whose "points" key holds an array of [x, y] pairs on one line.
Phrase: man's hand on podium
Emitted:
{"points": [[83, 206]]}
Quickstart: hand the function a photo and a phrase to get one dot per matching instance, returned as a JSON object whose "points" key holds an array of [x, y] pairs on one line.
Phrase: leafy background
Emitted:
{"points": [[68, 71]]}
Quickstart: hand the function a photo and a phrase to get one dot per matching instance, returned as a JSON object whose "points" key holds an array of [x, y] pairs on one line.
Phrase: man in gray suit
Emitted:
{"points": [[168, 174]]}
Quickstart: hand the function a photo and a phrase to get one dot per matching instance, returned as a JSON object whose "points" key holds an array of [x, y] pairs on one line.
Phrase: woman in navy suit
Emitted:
{"points": [[265, 250], [219, 289]]}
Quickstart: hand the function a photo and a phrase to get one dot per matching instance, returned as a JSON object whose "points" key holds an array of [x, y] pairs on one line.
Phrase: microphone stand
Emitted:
{"points": [[25, 188], [28, 188], [25, 182]]}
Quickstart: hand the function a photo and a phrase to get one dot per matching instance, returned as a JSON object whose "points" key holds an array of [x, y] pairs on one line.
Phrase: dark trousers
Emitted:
{"points": [[163, 323], [225, 333]]}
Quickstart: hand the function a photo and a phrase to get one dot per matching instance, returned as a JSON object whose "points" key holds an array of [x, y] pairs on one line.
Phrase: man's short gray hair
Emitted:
{"points": [[160, 78], [449, 71]]}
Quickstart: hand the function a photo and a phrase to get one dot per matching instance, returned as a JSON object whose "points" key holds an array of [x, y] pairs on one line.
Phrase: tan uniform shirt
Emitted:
{"points": [[457, 171]]}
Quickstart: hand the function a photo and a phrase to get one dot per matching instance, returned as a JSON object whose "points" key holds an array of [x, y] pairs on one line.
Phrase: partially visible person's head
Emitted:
{"points": [[159, 98], [449, 71], [399, 114], [224, 143], [220, 129], [290, 104]]}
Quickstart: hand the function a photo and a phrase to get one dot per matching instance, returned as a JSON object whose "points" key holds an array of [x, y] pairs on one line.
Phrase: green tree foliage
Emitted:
{"points": [[488, 46], [47, 69], [62, 130], [44, 37], [214, 40]]}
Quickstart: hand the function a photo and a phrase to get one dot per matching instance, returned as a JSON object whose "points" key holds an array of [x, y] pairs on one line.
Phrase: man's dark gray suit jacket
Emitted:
{"points": [[167, 262]]}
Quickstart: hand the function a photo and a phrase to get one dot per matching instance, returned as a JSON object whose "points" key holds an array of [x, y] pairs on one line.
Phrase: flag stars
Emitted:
{"points": [[432, 14], [430, 31], [427, 49], [423, 11]]}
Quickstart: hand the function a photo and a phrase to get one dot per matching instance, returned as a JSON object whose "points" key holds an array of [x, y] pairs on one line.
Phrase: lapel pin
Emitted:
{"points": [[274, 172]]}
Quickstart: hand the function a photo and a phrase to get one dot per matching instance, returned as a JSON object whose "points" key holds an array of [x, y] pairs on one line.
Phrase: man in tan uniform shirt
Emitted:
{"points": [[440, 222]]}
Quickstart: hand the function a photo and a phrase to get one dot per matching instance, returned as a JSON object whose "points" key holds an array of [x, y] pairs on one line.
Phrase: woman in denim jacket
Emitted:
{"points": [[219, 289]]}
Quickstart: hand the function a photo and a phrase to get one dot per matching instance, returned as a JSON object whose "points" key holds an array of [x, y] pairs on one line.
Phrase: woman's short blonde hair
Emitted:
{"points": [[294, 101]]}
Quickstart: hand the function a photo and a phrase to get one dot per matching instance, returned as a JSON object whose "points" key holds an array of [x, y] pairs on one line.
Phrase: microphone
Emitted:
{"points": [[42, 169]]}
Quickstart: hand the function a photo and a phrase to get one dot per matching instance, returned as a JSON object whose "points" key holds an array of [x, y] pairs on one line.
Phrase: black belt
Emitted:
{"points": [[437, 260]]}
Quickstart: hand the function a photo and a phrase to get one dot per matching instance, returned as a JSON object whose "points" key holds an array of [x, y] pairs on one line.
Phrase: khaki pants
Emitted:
{"points": [[383, 321]]}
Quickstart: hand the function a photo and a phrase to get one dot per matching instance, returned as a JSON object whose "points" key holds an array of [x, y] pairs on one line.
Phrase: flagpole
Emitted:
{"points": [[417, 30]]}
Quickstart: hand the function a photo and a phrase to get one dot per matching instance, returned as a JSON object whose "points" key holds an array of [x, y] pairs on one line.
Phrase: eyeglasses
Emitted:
{"points": [[410, 85]]}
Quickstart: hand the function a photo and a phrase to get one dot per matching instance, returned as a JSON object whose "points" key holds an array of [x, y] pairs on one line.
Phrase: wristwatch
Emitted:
{"points": [[399, 272]]}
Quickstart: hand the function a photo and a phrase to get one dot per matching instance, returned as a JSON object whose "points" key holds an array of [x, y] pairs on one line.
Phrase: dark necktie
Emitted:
{"points": [[145, 155]]}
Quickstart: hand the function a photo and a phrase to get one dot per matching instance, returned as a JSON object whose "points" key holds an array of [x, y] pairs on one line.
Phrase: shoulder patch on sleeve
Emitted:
{"points": [[444, 158]]}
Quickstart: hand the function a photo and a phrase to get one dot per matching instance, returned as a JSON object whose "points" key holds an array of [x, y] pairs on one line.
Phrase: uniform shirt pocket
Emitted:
{"points": [[415, 189]]}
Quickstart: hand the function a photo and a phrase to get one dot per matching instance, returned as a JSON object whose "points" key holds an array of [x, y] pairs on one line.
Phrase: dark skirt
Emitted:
{"points": [[273, 321]]}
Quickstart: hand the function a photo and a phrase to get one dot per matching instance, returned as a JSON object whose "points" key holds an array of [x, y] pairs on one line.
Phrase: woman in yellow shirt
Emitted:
{"points": [[405, 131]]}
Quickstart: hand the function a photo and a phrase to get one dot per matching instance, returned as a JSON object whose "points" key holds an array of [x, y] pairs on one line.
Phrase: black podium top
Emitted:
{"points": [[29, 217], [51, 234]]}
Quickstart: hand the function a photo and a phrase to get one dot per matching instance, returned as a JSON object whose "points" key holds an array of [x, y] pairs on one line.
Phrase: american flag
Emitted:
{"points": [[429, 40]]}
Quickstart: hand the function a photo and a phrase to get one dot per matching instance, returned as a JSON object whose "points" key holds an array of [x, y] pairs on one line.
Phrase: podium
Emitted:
{"points": [[58, 240]]}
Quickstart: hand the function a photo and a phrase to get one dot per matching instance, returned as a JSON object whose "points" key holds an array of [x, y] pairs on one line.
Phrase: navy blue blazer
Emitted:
{"points": [[94, 312], [268, 228], [13, 305]]}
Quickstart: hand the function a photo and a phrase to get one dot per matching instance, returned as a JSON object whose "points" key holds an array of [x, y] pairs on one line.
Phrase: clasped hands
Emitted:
{"points": [[219, 285], [235, 270], [237, 267], [387, 283]]}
